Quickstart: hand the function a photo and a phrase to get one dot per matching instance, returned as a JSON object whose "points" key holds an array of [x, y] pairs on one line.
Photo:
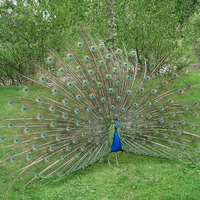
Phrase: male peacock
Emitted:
{"points": [[96, 102]]}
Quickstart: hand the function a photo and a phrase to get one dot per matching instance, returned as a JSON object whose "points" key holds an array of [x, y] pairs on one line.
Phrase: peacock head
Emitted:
{"points": [[117, 125]]}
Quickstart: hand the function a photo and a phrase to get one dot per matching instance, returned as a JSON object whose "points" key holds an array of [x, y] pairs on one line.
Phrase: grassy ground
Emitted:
{"points": [[137, 177]]}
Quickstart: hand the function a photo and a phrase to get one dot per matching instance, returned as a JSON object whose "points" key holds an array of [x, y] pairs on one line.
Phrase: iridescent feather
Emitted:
{"points": [[67, 121]]}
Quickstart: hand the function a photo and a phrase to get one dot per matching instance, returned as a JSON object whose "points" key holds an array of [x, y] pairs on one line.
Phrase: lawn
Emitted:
{"points": [[137, 177]]}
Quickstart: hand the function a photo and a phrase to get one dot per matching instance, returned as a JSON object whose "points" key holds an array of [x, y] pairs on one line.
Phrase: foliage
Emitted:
{"points": [[153, 28], [193, 32]]}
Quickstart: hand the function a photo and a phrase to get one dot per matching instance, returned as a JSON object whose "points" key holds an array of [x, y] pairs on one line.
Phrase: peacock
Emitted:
{"points": [[92, 101]]}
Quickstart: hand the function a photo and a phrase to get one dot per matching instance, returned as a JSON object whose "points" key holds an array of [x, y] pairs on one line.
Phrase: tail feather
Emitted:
{"points": [[64, 118]]}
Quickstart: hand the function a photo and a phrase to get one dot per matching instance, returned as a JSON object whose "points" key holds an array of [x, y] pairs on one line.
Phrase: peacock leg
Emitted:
{"points": [[109, 161], [117, 163]]}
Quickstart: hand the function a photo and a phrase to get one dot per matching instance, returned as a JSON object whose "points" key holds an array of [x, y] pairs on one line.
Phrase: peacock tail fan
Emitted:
{"points": [[64, 121]]}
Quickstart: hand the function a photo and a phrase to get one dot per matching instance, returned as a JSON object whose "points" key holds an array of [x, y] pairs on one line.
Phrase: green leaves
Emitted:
{"points": [[153, 28]]}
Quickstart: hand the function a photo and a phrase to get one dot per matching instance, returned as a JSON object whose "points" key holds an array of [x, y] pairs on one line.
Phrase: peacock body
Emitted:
{"points": [[96, 102]]}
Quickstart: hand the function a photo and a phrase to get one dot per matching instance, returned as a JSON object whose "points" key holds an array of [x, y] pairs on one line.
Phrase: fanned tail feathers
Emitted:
{"points": [[63, 120]]}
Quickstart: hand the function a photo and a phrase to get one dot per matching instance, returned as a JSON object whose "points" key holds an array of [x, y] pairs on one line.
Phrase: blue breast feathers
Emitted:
{"points": [[116, 145]]}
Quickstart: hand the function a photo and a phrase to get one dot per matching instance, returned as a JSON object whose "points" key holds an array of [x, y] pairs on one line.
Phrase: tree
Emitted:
{"points": [[153, 28]]}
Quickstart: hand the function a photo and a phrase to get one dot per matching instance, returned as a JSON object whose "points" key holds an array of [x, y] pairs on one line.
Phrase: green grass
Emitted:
{"points": [[137, 177]]}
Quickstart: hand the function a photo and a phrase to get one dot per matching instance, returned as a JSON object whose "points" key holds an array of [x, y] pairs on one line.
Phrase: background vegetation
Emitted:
{"points": [[158, 30]]}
